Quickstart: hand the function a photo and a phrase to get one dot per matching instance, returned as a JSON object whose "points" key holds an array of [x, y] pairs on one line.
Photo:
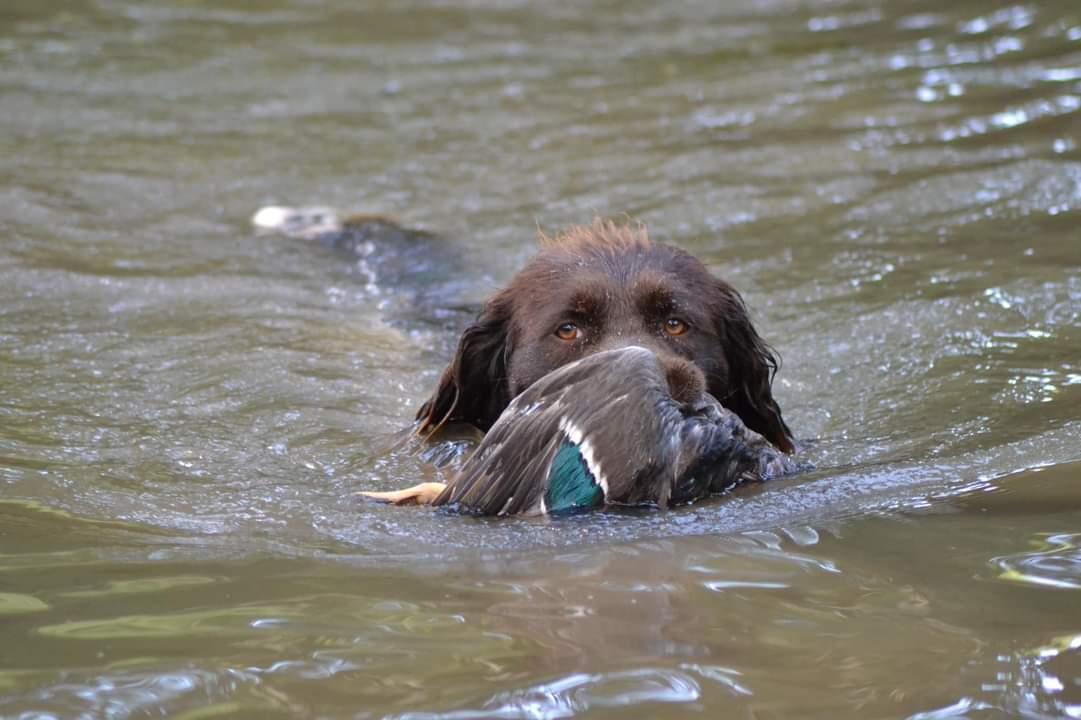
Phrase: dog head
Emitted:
{"points": [[601, 287]]}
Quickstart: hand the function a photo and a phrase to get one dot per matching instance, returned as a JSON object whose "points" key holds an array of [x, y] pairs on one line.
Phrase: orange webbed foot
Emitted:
{"points": [[423, 494]]}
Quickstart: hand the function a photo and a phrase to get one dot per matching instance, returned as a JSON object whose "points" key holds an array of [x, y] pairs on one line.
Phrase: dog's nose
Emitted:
{"points": [[686, 382]]}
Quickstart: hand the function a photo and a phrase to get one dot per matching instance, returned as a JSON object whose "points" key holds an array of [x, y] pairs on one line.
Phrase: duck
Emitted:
{"points": [[616, 428]]}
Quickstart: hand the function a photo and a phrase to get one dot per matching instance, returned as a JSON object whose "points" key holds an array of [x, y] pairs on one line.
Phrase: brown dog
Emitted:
{"points": [[595, 288]]}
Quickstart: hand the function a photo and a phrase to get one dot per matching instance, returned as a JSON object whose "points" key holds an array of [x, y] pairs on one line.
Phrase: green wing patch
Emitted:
{"points": [[570, 482]]}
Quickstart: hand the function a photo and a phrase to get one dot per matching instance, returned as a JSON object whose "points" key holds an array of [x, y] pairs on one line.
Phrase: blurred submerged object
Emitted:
{"points": [[421, 268], [302, 222], [614, 428], [359, 234]]}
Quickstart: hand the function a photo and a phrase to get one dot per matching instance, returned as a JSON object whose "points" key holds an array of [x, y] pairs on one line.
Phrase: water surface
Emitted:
{"points": [[186, 407]]}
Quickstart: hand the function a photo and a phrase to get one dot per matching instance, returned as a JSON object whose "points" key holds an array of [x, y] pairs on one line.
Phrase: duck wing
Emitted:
{"points": [[601, 430]]}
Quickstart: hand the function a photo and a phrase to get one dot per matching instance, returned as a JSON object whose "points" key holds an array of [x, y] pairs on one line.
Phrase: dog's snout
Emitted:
{"points": [[686, 382]]}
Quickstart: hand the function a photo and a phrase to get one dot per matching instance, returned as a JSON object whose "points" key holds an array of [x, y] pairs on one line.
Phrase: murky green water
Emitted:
{"points": [[186, 408]]}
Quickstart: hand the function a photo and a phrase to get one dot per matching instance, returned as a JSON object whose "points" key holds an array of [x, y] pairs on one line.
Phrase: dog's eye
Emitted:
{"points": [[675, 326], [568, 331]]}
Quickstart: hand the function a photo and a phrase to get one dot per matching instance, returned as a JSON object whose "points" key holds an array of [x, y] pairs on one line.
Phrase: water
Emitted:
{"points": [[186, 408]]}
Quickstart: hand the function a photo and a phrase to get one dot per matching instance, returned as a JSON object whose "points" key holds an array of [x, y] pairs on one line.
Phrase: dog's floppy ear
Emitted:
{"points": [[474, 387], [751, 367]]}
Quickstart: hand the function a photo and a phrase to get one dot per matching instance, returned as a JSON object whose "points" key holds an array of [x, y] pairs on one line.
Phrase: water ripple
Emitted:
{"points": [[1056, 563], [577, 693]]}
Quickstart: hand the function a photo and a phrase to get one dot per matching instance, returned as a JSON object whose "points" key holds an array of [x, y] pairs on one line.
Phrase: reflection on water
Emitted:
{"points": [[861, 616], [186, 408], [1055, 564]]}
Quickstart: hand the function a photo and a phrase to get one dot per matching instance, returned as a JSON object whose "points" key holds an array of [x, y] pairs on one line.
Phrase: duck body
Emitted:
{"points": [[606, 430]]}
